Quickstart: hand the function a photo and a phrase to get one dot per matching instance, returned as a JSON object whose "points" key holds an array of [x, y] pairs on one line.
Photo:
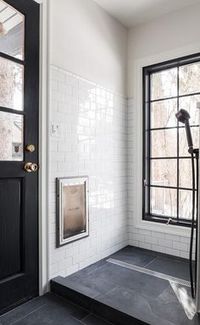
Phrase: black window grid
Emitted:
{"points": [[147, 158]]}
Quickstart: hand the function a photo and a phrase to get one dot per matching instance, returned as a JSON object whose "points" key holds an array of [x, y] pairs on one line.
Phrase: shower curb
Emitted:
{"points": [[96, 307]]}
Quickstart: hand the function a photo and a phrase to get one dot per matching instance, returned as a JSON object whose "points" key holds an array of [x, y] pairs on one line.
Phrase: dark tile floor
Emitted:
{"points": [[173, 266], [140, 298], [50, 310], [145, 297]]}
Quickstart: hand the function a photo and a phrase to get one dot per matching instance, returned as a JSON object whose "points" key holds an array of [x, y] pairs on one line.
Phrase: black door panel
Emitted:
{"points": [[19, 109], [11, 226]]}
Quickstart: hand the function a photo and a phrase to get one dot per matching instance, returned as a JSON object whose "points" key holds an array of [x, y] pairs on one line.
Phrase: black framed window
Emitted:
{"points": [[167, 181]]}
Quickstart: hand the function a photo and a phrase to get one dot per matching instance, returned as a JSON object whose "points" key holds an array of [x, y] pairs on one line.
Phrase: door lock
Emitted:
{"points": [[30, 167], [30, 148]]}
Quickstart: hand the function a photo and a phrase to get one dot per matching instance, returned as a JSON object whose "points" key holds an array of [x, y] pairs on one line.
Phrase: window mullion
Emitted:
{"points": [[149, 143], [178, 85]]}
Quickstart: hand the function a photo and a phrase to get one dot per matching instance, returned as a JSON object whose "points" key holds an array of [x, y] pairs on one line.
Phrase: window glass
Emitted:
{"points": [[185, 173], [11, 137], [164, 143], [163, 202], [164, 84], [167, 163], [183, 144], [11, 31], [164, 172], [189, 76], [189, 103], [185, 204], [163, 113], [11, 84]]}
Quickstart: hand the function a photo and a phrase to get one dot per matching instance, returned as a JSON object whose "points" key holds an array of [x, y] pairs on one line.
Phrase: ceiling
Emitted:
{"points": [[133, 12]]}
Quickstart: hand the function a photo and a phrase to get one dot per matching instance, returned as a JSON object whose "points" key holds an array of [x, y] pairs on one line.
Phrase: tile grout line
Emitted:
{"points": [[145, 266], [98, 317], [24, 317], [149, 272], [23, 304]]}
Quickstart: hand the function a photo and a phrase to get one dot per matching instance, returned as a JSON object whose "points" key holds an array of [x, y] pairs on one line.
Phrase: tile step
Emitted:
{"points": [[96, 307]]}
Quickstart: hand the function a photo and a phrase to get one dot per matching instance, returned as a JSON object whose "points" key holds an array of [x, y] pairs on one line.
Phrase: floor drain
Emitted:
{"points": [[149, 272]]}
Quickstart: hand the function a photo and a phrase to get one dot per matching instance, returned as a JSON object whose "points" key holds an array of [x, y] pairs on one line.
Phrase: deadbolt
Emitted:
{"points": [[30, 148], [30, 167]]}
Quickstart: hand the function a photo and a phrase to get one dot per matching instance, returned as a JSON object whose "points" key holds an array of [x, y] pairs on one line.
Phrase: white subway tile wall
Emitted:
{"points": [[88, 136], [92, 132]]}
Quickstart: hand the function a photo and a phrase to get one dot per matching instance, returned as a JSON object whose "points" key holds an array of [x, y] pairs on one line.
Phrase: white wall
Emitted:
{"points": [[163, 35], [87, 41], [87, 102], [170, 36]]}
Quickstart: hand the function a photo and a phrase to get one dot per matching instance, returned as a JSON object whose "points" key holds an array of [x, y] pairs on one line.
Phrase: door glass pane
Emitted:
{"points": [[164, 172], [11, 31], [164, 143], [183, 145], [164, 84], [190, 104], [11, 84], [11, 137], [189, 78], [163, 113], [185, 204], [185, 173], [163, 202]]}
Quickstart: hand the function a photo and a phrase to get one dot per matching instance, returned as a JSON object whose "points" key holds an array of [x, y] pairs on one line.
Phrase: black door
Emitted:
{"points": [[19, 105]]}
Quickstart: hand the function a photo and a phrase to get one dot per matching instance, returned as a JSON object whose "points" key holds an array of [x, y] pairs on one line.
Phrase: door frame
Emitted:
{"points": [[44, 148]]}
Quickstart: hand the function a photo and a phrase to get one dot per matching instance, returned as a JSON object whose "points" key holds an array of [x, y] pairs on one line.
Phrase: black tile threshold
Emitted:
{"points": [[50, 309], [125, 296]]}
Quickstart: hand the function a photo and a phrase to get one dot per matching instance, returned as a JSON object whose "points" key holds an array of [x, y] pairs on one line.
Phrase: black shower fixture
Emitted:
{"points": [[183, 117]]}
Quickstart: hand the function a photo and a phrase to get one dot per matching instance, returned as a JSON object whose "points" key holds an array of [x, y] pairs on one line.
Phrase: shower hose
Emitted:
{"points": [[195, 181]]}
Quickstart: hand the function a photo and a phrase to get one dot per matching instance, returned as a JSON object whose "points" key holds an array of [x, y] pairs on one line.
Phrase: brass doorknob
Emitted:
{"points": [[30, 167]]}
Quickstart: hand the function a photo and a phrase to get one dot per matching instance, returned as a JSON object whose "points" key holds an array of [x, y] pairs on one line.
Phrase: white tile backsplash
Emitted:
{"points": [[88, 136]]}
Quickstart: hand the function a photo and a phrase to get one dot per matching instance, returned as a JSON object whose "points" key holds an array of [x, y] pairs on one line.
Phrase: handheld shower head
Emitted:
{"points": [[183, 116]]}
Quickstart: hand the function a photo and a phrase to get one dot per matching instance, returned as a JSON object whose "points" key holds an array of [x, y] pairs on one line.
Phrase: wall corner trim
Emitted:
{"points": [[43, 149]]}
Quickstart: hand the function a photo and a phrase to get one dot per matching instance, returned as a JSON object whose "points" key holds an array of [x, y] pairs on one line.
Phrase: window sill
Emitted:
{"points": [[164, 228]]}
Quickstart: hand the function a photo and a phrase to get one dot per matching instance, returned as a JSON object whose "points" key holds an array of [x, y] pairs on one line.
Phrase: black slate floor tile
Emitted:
{"points": [[112, 275], [136, 256], [164, 309], [94, 320], [195, 321], [49, 315], [109, 276], [134, 304], [75, 283], [170, 266], [148, 285], [97, 282], [143, 296], [168, 306], [48, 309], [22, 311], [74, 310]]}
